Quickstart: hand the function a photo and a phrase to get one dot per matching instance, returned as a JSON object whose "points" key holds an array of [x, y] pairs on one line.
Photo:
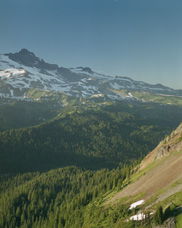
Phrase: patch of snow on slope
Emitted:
{"points": [[93, 75], [11, 72], [84, 80], [138, 217], [129, 95], [133, 205], [12, 93], [85, 94], [117, 86], [126, 79], [97, 95], [116, 97]]}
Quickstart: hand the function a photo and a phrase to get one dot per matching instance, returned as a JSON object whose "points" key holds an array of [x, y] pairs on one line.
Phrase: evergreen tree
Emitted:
{"points": [[158, 217]]}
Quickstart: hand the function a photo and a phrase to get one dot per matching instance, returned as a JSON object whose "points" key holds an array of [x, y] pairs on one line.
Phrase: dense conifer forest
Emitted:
{"points": [[67, 197], [61, 171], [93, 138]]}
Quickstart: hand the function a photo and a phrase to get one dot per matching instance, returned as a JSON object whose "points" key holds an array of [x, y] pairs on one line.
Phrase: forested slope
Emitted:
{"points": [[68, 197], [94, 138]]}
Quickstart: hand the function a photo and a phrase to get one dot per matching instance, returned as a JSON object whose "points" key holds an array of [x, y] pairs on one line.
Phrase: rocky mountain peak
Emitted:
{"points": [[24, 57], [25, 51], [29, 59]]}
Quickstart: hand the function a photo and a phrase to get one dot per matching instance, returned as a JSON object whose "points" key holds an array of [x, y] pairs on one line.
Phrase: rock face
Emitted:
{"points": [[173, 142], [29, 59]]}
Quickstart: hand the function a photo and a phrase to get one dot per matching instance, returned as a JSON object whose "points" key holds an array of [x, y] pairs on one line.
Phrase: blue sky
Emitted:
{"points": [[141, 39]]}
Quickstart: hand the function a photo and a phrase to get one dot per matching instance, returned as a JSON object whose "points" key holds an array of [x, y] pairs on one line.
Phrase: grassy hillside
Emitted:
{"points": [[158, 182], [152, 97]]}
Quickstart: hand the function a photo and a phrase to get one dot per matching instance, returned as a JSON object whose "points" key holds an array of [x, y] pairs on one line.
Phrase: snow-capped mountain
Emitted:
{"points": [[22, 71]]}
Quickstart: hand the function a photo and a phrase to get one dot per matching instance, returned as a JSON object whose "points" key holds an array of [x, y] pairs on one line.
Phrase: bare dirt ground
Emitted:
{"points": [[165, 195], [167, 172], [168, 155]]}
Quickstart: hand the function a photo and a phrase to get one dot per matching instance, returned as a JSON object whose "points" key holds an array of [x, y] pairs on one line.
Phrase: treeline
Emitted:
{"points": [[92, 138]]}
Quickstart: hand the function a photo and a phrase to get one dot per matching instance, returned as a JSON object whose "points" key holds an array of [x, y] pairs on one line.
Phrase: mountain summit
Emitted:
{"points": [[27, 58]]}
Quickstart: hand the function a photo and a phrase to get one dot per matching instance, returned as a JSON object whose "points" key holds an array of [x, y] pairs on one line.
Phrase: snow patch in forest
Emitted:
{"points": [[133, 205]]}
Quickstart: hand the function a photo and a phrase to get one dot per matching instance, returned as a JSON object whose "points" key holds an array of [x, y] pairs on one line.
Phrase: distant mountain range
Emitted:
{"points": [[22, 71]]}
